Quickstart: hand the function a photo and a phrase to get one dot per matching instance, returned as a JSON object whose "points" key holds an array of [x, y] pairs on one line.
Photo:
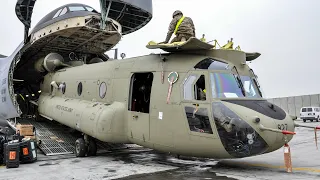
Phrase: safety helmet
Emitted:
{"points": [[176, 13]]}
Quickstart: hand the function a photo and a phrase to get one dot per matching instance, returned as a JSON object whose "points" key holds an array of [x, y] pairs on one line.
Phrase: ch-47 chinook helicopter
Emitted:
{"points": [[194, 100]]}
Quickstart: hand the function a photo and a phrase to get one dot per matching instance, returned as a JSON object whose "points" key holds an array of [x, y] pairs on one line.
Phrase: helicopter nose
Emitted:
{"points": [[238, 137], [274, 125]]}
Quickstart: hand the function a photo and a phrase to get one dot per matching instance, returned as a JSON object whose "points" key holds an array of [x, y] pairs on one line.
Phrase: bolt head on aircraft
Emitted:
{"points": [[195, 99]]}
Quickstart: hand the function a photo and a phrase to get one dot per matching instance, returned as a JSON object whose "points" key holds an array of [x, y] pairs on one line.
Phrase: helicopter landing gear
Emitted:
{"points": [[81, 149], [85, 146], [92, 148]]}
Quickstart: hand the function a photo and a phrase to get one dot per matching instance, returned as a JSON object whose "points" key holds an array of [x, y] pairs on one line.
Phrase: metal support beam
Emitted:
{"points": [[104, 12], [116, 53]]}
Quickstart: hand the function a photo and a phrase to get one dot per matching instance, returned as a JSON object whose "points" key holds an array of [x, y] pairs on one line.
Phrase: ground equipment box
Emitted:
{"points": [[2, 142], [11, 154], [28, 151]]}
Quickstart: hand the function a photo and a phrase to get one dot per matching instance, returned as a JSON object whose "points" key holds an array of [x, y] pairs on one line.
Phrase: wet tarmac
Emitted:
{"points": [[180, 174], [144, 164]]}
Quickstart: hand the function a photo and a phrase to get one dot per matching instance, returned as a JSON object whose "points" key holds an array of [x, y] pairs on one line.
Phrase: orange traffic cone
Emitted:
{"points": [[315, 137], [287, 158]]}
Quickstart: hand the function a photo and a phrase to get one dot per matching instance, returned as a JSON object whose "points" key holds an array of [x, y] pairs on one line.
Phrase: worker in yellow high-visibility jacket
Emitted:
{"points": [[181, 26]]}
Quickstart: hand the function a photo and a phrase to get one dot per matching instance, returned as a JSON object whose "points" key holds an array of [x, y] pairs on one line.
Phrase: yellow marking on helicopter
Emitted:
{"points": [[167, 44], [228, 46]]}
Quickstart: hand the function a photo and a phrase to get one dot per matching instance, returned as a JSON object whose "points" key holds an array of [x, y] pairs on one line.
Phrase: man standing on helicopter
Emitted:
{"points": [[181, 26]]}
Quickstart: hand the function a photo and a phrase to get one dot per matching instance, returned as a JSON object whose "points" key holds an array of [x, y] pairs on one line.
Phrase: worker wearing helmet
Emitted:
{"points": [[181, 26]]}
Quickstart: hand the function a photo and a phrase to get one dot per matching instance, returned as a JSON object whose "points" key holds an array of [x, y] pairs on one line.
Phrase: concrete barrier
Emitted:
{"points": [[293, 104]]}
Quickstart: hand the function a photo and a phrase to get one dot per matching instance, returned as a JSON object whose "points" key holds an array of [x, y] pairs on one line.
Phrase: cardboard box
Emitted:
{"points": [[25, 130], [31, 137]]}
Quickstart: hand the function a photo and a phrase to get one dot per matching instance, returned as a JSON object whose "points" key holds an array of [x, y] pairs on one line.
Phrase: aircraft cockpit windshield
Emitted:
{"points": [[225, 85], [73, 8], [66, 11], [225, 81]]}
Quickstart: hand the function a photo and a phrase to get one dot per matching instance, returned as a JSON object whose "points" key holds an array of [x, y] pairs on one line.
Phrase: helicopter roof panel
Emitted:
{"points": [[192, 44], [252, 56], [131, 14]]}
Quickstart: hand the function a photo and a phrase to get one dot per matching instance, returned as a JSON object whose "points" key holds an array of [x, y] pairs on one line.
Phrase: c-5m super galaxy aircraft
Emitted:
{"points": [[194, 100]]}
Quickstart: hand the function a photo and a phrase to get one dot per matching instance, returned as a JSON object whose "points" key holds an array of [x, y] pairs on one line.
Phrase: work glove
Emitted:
{"points": [[164, 42]]}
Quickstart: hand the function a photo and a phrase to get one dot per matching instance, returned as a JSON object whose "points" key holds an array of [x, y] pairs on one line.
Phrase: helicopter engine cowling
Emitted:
{"points": [[50, 63]]}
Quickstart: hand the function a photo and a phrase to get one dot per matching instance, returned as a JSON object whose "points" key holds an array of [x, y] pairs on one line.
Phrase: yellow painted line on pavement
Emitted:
{"points": [[281, 167]]}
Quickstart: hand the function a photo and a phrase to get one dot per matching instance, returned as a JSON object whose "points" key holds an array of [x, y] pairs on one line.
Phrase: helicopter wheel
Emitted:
{"points": [[80, 148]]}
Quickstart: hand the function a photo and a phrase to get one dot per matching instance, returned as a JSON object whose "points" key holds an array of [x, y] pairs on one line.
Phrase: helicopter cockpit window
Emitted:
{"points": [[76, 8], [211, 64], [225, 85], [250, 87], [58, 12], [198, 120], [200, 89], [187, 88], [65, 10], [90, 9]]}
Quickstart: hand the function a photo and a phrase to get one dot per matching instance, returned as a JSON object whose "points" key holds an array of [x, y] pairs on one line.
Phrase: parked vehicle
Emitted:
{"points": [[310, 113]]}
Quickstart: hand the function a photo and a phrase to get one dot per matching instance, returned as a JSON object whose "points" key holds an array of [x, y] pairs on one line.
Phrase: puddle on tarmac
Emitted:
{"points": [[180, 174]]}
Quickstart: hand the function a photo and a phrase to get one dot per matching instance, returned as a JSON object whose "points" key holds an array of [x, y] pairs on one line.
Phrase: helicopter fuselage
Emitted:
{"points": [[187, 104]]}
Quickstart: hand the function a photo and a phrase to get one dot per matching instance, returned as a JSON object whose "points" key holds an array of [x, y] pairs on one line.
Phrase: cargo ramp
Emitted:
{"points": [[57, 139]]}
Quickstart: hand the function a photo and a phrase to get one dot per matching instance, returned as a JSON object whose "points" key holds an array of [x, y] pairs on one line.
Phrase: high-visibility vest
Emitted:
{"points": [[178, 24], [205, 91], [22, 97]]}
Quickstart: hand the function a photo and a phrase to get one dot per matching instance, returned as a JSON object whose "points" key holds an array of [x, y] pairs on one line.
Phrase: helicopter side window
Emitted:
{"points": [[140, 92], [198, 120]]}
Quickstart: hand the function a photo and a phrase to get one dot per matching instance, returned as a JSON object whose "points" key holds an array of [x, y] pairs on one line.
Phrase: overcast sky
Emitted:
{"points": [[285, 32]]}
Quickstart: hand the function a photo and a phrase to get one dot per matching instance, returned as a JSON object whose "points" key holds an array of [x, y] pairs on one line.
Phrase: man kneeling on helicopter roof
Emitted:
{"points": [[181, 26]]}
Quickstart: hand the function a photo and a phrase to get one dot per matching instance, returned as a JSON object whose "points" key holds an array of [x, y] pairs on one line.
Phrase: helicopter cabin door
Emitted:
{"points": [[196, 105], [139, 106]]}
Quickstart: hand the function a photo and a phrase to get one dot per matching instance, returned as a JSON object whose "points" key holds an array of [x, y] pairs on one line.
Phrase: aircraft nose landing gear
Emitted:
{"points": [[85, 146]]}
